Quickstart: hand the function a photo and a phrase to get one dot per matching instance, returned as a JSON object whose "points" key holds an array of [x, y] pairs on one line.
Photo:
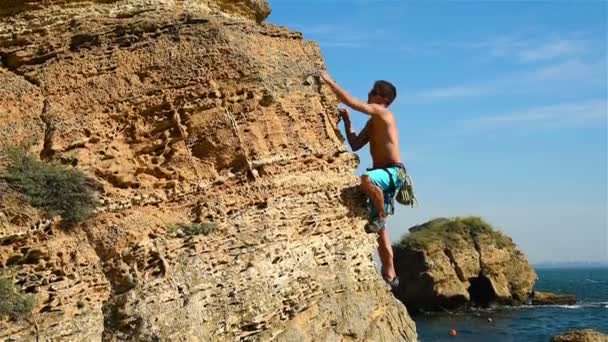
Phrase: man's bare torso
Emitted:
{"points": [[384, 140]]}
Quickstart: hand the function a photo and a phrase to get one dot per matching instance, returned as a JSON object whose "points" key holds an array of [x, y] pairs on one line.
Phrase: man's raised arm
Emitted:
{"points": [[349, 100], [355, 141]]}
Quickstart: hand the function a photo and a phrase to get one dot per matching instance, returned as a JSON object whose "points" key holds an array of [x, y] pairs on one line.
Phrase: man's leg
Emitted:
{"points": [[373, 184], [374, 193], [385, 250]]}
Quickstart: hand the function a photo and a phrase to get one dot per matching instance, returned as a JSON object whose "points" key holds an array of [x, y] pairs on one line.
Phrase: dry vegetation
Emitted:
{"points": [[13, 304], [452, 231], [54, 188]]}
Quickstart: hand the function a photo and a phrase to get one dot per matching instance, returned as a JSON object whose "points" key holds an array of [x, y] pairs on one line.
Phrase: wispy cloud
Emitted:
{"points": [[527, 50], [451, 92], [562, 115], [320, 29], [571, 70], [554, 49], [542, 78], [514, 47], [329, 35]]}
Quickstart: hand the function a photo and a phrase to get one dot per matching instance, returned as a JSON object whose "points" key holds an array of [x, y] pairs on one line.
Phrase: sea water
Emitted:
{"points": [[529, 323]]}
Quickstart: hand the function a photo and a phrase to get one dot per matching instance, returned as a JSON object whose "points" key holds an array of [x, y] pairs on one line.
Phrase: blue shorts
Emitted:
{"points": [[382, 179]]}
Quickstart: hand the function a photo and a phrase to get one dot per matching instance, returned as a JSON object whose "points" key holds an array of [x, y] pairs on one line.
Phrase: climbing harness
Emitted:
{"points": [[405, 194]]}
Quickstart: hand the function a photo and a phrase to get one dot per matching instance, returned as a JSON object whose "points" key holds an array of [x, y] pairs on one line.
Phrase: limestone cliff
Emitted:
{"points": [[184, 111], [450, 263]]}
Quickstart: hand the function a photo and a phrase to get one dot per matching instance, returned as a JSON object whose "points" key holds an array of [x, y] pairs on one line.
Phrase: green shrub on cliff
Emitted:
{"points": [[54, 188], [13, 304], [453, 232]]}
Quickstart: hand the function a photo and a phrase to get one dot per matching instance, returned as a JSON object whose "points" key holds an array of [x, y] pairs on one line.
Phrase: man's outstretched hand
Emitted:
{"points": [[325, 78], [342, 96], [344, 115]]}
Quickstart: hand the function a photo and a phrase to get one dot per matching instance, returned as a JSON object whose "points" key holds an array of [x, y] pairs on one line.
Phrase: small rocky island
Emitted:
{"points": [[451, 263]]}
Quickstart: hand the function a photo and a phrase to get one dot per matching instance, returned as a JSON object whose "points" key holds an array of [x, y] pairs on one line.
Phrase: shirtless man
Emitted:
{"points": [[381, 182]]}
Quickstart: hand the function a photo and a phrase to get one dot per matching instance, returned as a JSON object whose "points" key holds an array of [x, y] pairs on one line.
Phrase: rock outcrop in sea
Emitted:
{"points": [[185, 112], [581, 336], [549, 298], [458, 262]]}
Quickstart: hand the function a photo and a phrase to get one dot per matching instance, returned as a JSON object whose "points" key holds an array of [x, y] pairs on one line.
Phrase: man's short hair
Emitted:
{"points": [[386, 89]]}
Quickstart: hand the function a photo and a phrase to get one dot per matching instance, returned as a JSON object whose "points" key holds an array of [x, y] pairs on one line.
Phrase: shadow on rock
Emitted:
{"points": [[355, 200]]}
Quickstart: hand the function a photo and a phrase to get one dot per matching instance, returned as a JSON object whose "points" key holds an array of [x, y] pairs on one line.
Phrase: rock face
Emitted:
{"points": [[548, 298], [450, 263], [581, 336], [185, 111]]}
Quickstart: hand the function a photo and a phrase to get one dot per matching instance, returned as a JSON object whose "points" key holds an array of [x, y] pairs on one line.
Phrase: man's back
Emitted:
{"points": [[384, 140]]}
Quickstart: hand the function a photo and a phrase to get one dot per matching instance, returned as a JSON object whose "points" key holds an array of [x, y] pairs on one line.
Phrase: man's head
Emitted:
{"points": [[382, 93]]}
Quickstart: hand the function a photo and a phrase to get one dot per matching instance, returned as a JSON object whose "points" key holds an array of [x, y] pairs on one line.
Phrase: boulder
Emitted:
{"points": [[452, 263], [586, 335], [548, 298]]}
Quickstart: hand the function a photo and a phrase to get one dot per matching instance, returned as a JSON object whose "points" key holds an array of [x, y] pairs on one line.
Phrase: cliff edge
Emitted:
{"points": [[184, 113]]}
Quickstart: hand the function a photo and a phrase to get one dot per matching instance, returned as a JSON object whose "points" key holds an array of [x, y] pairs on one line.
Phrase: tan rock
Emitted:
{"points": [[586, 335], [186, 111], [449, 263], [548, 298], [257, 10]]}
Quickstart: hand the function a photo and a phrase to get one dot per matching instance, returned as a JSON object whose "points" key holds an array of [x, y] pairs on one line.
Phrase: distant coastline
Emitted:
{"points": [[572, 264]]}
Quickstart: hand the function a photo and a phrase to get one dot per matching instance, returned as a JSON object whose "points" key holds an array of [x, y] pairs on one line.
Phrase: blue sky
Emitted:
{"points": [[501, 108]]}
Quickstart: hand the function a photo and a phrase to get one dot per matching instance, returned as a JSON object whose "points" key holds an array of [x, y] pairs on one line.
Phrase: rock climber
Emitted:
{"points": [[386, 178]]}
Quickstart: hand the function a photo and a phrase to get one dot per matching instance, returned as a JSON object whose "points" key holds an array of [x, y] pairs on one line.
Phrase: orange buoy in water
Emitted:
{"points": [[453, 332]]}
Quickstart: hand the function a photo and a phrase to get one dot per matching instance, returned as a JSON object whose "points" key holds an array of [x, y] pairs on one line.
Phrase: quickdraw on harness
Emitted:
{"points": [[405, 194]]}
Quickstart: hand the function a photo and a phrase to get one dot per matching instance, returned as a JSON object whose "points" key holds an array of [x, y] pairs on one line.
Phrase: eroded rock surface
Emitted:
{"points": [[581, 336], [185, 111], [450, 263]]}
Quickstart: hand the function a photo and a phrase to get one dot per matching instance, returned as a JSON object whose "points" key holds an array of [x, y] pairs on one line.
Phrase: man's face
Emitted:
{"points": [[374, 97]]}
